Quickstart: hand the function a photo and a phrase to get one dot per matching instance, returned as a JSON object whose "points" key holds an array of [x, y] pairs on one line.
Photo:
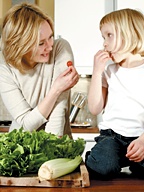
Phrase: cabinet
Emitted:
{"points": [[78, 22], [139, 4], [4, 6], [47, 6], [89, 138]]}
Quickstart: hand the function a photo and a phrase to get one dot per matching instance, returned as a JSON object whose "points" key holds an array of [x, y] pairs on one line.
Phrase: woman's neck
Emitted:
{"points": [[28, 65]]}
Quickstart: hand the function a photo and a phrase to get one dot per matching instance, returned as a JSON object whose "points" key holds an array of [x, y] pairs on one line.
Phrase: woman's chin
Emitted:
{"points": [[44, 60]]}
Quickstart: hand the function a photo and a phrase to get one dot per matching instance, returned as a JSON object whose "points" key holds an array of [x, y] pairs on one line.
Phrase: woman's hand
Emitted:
{"points": [[66, 80], [135, 150], [63, 82]]}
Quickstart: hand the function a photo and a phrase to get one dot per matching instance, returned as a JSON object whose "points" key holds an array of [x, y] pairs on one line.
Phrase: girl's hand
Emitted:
{"points": [[135, 150], [66, 80], [100, 60]]}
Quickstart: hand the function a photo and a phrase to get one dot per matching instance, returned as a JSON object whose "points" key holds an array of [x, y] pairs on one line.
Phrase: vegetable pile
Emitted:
{"points": [[23, 152]]}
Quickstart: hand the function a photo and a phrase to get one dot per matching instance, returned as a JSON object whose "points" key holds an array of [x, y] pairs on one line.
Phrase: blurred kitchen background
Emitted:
{"points": [[78, 22]]}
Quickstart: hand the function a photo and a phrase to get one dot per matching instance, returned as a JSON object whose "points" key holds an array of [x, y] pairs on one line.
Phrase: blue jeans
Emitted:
{"points": [[107, 157]]}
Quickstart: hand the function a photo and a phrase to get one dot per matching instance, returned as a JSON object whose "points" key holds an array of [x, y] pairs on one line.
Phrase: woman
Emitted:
{"points": [[35, 81], [118, 89]]}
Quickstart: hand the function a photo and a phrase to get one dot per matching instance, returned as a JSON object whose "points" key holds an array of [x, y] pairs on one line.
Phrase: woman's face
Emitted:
{"points": [[44, 48], [112, 44]]}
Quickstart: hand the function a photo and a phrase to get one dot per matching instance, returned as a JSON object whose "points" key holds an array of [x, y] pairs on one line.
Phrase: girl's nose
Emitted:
{"points": [[105, 45]]}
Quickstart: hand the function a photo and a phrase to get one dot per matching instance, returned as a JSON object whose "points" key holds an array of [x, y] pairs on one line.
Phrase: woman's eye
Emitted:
{"points": [[51, 37], [41, 43]]}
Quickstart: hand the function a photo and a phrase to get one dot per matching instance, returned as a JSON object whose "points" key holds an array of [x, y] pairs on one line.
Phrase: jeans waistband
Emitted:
{"points": [[110, 132]]}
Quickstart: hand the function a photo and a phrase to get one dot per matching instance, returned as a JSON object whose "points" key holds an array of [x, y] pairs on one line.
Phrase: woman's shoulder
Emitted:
{"points": [[3, 64], [61, 43], [1, 57], [61, 47]]}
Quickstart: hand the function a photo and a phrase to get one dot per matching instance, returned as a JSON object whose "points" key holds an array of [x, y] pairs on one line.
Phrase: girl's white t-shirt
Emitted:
{"points": [[124, 111]]}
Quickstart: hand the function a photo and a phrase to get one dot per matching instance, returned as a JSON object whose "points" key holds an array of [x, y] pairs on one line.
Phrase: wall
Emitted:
{"points": [[4, 6], [47, 6]]}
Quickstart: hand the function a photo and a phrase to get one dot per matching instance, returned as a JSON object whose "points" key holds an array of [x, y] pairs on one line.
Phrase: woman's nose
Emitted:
{"points": [[48, 44]]}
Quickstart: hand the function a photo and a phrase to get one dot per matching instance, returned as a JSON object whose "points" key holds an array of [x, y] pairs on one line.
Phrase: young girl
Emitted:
{"points": [[35, 80], [117, 90]]}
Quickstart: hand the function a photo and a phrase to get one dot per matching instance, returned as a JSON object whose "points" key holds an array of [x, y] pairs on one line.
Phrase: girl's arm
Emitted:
{"points": [[97, 94]]}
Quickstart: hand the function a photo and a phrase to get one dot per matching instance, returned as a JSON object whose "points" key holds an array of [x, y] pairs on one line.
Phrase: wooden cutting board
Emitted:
{"points": [[78, 178]]}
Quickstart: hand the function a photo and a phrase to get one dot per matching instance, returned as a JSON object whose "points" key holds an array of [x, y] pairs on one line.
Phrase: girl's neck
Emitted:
{"points": [[132, 61]]}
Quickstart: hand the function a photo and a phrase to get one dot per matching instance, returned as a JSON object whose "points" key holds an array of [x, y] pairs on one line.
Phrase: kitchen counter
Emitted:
{"points": [[4, 129], [85, 130], [125, 184]]}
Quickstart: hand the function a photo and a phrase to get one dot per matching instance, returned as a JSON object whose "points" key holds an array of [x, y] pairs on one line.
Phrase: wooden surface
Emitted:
{"points": [[85, 130], [78, 178], [74, 130], [4, 129], [115, 185]]}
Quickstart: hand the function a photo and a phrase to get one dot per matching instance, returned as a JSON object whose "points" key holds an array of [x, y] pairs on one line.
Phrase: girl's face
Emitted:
{"points": [[44, 48], [112, 44]]}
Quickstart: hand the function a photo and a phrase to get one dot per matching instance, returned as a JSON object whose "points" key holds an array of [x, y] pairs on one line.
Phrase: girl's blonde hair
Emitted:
{"points": [[20, 33], [129, 26]]}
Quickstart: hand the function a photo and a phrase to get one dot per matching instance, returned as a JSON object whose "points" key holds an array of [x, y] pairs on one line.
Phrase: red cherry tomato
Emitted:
{"points": [[69, 63]]}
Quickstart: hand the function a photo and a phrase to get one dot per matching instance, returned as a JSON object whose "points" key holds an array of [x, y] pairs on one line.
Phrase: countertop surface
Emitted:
{"points": [[120, 184], [74, 130]]}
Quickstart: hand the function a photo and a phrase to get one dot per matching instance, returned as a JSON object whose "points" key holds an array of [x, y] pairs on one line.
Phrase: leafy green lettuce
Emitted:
{"points": [[23, 152]]}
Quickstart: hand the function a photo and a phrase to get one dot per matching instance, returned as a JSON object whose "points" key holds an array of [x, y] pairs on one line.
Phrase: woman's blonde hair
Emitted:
{"points": [[20, 32], [129, 26]]}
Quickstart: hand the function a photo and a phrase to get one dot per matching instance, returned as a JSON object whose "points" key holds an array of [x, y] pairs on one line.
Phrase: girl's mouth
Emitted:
{"points": [[110, 54]]}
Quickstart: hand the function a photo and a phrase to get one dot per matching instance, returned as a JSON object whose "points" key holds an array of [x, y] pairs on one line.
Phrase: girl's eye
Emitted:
{"points": [[109, 34]]}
